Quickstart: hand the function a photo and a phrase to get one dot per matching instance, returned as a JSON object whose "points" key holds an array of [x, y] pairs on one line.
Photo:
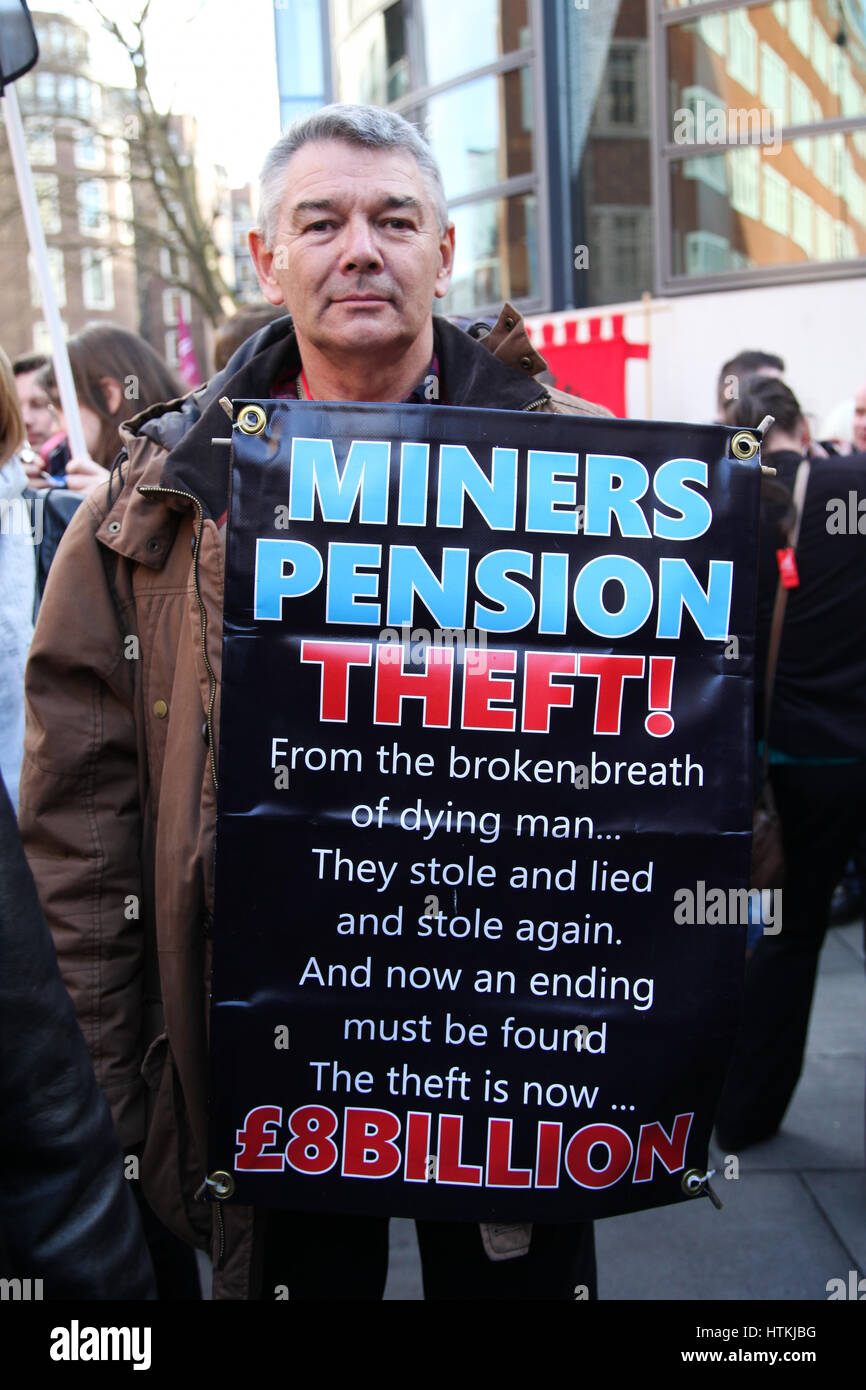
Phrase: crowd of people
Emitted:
{"points": [[117, 797]]}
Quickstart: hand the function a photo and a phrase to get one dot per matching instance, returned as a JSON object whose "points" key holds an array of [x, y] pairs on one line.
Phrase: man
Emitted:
{"points": [[119, 793]]}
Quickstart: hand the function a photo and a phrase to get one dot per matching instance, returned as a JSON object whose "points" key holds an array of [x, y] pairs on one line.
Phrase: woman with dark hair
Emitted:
{"points": [[116, 375], [817, 748]]}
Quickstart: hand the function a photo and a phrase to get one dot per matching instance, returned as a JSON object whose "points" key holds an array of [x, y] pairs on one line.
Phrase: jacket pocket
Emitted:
{"points": [[169, 1175]]}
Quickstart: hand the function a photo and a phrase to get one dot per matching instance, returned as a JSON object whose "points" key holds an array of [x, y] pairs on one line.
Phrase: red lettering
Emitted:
{"points": [[256, 1135], [611, 672], [449, 1167], [539, 695], [432, 686], [547, 1158], [581, 1144], [479, 689], [417, 1146], [312, 1149], [335, 658], [368, 1150], [671, 1149], [499, 1170]]}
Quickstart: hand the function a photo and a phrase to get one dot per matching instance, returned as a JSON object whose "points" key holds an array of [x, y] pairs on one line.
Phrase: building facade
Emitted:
{"points": [[103, 225], [711, 156]]}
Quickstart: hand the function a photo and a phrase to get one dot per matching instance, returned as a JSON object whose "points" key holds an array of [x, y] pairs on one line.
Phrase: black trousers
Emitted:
{"points": [[823, 814], [327, 1257]]}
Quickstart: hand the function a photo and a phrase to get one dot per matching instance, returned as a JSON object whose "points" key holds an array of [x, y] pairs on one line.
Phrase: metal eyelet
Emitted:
{"points": [[252, 419], [114, 527], [744, 444]]}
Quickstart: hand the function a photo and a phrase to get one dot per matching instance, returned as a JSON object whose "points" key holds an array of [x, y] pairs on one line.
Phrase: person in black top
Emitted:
{"points": [[817, 738]]}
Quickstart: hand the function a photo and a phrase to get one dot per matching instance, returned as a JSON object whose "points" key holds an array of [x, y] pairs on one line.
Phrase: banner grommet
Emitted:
{"points": [[252, 419]]}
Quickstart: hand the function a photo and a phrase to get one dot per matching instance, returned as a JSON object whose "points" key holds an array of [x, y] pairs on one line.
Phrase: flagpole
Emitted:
{"points": [[27, 194]]}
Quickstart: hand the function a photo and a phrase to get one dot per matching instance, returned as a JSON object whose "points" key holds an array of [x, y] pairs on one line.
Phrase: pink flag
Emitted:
{"points": [[186, 358]]}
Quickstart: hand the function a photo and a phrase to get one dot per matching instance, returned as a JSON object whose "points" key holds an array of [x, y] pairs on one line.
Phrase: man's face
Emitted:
{"points": [[357, 257], [40, 420], [859, 433]]}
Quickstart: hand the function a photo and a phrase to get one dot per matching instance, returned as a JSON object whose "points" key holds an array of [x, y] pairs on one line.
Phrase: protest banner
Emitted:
{"points": [[485, 801]]}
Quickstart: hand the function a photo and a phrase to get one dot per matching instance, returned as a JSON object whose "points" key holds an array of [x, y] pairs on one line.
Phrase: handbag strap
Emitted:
{"points": [[800, 484]]}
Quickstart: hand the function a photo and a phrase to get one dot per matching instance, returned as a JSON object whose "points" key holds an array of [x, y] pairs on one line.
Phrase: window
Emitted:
{"points": [[855, 197], [92, 208], [48, 199], [709, 169], [172, 265], [97, 280], [622, 103], [89, 150], [801, 114], [45, 91], [745, 167], [57, 276], [820, 52], [170, 354], [174, 302], [40, 142], [706, 253], [780, 209], [42, 338], [120, 153], [824, 238], [743, 50], [622, 94], [775, 200], [800, 24], [851, 95], [124, 213], [838, 161], [774, 81], [712, 30], [66, 99], [801, 220], [822, 160]]}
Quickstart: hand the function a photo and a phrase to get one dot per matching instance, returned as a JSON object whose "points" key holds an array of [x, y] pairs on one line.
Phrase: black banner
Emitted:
{"points": [[484, 809]]}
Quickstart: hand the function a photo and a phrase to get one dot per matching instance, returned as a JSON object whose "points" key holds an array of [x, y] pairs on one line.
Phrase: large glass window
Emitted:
{"points": [[374, 65], [738, 91], [764, 60], [768, 220], [496, 255], [431, 60], [480, 132], [422, 43]]}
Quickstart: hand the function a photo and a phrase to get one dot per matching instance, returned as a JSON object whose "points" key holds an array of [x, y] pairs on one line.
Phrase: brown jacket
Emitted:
{"points": [[118, 792]]}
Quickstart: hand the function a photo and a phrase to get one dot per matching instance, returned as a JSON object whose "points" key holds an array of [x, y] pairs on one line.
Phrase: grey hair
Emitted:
{"points": [[370, 126]]}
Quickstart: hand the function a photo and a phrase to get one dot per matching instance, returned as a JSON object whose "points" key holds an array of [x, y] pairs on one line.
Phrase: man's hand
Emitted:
{"points": [[83, 475]]}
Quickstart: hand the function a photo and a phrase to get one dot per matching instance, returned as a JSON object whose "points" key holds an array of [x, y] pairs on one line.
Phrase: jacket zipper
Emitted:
{"points": [[536, 405], [203, 614]]}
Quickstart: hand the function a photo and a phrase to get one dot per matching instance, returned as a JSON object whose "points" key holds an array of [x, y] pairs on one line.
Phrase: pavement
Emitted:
{"points": [[794, 1216]]}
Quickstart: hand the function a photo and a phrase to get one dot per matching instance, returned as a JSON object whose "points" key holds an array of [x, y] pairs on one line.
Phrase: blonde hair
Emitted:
{"points": [[11, 422]]}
